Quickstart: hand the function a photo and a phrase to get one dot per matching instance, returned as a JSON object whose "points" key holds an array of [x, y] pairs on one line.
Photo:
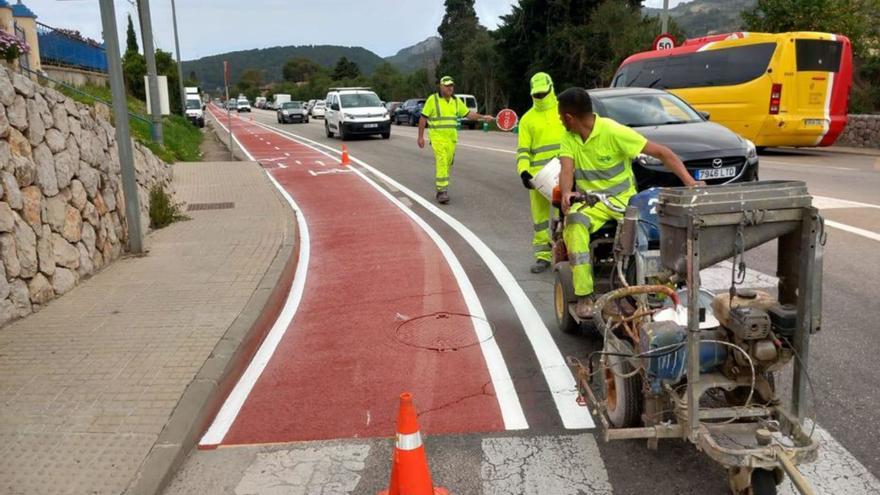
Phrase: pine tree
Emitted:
{"points": [[131, 43], [458, 28]]}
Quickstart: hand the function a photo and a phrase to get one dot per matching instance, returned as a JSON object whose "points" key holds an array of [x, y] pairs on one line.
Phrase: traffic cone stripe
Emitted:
{"points": [[411, 441]]}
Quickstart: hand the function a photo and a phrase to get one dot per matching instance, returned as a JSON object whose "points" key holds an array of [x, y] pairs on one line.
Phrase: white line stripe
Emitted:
{"points": [[231, 407], [854, 230], [319, 162], [505, 392], [553, 365], [298, 162], [851, 204]]}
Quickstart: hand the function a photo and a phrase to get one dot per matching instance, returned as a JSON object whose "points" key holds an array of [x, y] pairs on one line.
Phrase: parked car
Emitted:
{"points": [[243, 105], [353, 111], [470, 101], [318, 109], [409, 111], [232, 104], [292, 111], [710, 151], [195, 110], [391, 106], [309, 105]]}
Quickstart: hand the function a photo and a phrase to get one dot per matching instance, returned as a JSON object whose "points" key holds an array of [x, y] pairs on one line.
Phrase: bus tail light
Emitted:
{"points": [[775, 99]]}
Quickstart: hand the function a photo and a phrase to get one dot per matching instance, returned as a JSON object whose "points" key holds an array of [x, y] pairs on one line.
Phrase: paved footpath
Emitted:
{"points": [[98, 389]]}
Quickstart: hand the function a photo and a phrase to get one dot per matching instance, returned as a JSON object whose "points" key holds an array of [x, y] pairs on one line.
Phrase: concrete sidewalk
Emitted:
{"points": [[104, 390]]}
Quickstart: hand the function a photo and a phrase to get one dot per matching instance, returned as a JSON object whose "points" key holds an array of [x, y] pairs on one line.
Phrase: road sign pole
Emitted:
{"points": [[123, 134], [665, 17], [179, 64], [228, 112], [150, 56]]}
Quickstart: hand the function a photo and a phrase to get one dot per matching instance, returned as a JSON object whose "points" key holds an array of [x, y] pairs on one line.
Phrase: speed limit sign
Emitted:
{"points": [[664, 42]]}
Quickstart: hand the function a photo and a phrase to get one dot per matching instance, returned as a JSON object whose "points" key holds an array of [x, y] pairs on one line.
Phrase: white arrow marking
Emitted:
{"points": [[331, 171]]}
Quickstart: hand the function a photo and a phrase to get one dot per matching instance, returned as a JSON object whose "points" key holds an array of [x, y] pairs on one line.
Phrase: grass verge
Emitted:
{"points": [[181, 139]]}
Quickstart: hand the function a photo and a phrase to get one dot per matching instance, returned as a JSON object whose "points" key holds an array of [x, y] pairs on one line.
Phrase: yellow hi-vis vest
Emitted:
{"points": [[443, 116], [540, 134]]}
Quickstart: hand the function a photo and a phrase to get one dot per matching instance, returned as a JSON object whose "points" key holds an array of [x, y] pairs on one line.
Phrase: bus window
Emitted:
{"points": [[723, 67], [818, 55]]}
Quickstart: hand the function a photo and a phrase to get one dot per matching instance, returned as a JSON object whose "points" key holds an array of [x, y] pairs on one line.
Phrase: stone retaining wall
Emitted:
{"points": [[62, 212], [862, 131]]}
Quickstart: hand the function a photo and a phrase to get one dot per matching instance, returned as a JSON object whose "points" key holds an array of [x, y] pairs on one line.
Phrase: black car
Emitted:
{"points": [[409, 111], [711, 152], [292, 111]]}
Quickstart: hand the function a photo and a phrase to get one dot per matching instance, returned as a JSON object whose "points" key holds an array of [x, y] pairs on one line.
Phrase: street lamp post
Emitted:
{"points": [[123, 134], [179, 64], [664, 17], [150, 56]]}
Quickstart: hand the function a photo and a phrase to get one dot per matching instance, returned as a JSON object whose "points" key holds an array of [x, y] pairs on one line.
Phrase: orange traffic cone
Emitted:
{"points": [[345, 160], [410, 474]]}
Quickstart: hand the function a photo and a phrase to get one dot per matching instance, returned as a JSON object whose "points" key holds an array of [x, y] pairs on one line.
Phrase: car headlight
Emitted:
{"points": [[348, 116], [648, 160], [285, 112], [751, 150]]}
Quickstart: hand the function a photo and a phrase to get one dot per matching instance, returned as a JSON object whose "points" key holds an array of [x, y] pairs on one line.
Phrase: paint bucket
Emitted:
{"points": [[548, 178]]}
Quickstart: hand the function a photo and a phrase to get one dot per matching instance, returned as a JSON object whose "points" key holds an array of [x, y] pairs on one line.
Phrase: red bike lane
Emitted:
{"points": [[379, 299]]}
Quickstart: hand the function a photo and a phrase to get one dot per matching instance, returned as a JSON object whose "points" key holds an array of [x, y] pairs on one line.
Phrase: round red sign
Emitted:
{"points": [[506, 119], [664, 42]]}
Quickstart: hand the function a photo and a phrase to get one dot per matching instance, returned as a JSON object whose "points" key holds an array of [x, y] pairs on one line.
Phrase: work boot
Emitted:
{"points": [[442, 197], [584, 307], [540, 266]]}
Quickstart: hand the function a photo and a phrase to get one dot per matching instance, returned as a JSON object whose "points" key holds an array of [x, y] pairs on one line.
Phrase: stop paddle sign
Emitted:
{"points": [[506, 119]]}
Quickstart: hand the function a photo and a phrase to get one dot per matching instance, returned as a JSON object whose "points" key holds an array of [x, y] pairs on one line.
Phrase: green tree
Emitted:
{"points": [[345, 69], [458, 29], [385, 81], [250, 83], [131, 42], [300, 69], [134, 68]]}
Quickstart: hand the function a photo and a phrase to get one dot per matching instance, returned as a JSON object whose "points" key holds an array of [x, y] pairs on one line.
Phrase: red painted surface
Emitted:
{"points": [[339, 370], [840, 90]]}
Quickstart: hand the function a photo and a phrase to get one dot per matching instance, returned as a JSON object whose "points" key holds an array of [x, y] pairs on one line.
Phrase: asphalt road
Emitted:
{"points": [[489, 199]]}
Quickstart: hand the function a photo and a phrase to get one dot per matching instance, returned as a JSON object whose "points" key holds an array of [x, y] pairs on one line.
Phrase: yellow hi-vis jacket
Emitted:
{"points": [[540, 134], [443, 116]]}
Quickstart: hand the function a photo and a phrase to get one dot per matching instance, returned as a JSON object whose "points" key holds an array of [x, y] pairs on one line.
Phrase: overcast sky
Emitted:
{"points": [[209, 27]]}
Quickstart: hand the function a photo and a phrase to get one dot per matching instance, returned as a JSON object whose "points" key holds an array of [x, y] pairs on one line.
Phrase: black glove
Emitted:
{"points": [[526, 180]]}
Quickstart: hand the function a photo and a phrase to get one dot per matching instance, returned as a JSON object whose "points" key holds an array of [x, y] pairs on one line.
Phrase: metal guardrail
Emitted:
{"points": [[83, 93], [69, 48]]}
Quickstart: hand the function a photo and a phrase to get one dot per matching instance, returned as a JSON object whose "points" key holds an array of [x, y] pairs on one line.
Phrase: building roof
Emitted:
{"points": [[21, 10]]}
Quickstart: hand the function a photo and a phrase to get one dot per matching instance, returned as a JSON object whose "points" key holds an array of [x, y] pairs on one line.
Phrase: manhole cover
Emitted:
{"points": [[444, 332]]}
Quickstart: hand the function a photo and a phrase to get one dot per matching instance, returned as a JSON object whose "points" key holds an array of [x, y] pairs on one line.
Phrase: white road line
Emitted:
{"points": [[874, 236], [505, 391], [319, 162], [823, 202], [287, 154], [231, 407], [562, 385], [282, 165], [298, 162], [277, 148]]}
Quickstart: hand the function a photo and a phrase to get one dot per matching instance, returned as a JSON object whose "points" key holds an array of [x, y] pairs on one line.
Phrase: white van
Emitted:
{"points": [[355, 111], [470, 101], [195, 110]]}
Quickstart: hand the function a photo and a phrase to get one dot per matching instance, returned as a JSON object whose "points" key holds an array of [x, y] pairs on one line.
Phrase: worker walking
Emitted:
{"points": [[441, 113], [540, 132], [596, 155]]}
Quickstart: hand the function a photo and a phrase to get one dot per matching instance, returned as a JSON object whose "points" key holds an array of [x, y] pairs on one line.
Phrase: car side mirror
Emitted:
{"points": [[705, 115], [334, 107], [204, 106]]}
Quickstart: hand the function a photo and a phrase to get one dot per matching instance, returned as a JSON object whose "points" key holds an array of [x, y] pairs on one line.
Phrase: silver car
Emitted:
{"points": [[292, 111]]}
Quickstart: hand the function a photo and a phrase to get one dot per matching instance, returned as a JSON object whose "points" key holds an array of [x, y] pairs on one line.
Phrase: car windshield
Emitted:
{"points": [[643, 110], [193, 104], [292, 104], [360, 100]]}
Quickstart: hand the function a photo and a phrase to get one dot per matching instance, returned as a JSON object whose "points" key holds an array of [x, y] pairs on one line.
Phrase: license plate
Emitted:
{"points": [[716, 173], [815, 122], [370, 126]]}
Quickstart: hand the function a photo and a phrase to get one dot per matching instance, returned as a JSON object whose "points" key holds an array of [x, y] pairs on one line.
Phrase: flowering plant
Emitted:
{"points": [[12, 47]]}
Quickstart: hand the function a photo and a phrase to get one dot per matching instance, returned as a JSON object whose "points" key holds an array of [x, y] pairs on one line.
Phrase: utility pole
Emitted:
{"points": [[664, 17], [123, 135], [150, 56], [179, 65]]}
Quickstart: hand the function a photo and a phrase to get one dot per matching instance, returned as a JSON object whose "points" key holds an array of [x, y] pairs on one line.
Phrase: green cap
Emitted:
{"points": [[447, 81], [541, 83]]}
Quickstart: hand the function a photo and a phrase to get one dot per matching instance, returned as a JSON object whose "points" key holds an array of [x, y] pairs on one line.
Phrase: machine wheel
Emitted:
{"points": [[763, 482], [386, 135], [563, 295], [342, 134], [623, 396], [327, 129]]}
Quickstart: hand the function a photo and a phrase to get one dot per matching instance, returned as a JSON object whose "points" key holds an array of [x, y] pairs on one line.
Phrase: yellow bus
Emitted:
{"points": [[785, 89]]}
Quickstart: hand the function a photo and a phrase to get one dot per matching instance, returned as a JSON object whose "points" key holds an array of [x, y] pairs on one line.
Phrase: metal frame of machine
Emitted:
{"points": [[699, 228]]}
